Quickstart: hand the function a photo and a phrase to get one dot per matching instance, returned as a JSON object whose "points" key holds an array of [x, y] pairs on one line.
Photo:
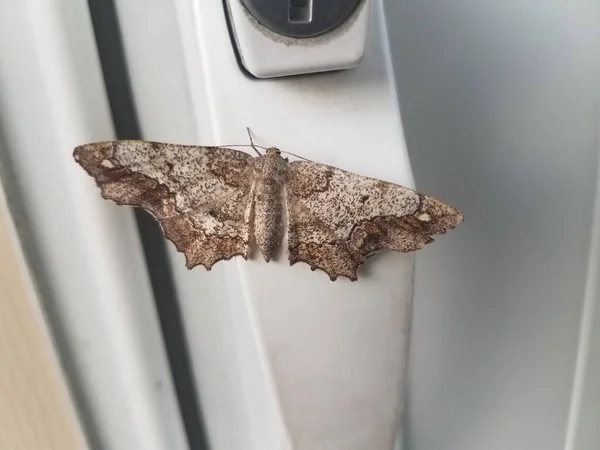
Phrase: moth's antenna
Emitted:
{"points": [[252, 142], [297, 156]]}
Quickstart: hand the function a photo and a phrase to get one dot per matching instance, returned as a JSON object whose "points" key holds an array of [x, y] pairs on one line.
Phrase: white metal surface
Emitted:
{"points": [[501, 104], [88, 259], [267, 54], [283, 357]]}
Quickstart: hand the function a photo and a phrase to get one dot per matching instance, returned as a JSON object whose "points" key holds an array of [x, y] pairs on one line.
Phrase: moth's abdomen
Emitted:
{"points": [[268, 221]]}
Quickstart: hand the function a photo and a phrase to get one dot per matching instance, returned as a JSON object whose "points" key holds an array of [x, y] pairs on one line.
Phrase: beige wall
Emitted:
{"points": [[35, 410]]}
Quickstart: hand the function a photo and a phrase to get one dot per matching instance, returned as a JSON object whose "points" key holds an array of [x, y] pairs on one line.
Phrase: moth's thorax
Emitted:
{"points": [[272, 167], [273, 151], [268, 202]]}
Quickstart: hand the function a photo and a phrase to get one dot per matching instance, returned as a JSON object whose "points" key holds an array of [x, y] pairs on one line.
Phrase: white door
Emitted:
{"points": [[499, 112]]}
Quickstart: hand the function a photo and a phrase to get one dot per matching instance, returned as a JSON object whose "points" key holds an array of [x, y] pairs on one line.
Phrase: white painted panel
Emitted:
{"points": [[256, 393], [500, 101], [86, 252]]}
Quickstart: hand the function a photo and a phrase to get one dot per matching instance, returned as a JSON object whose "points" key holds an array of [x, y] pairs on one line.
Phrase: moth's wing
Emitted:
{"points": [[338, 219], [201, 196]]}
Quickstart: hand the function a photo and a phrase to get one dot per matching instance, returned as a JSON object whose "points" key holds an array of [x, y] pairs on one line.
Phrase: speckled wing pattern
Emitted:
{"points": [[201, 196], [209, 200], [338, 219]]}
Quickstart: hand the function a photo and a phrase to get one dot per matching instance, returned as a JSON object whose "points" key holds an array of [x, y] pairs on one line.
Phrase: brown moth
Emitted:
{"points": [[210, 201]]}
